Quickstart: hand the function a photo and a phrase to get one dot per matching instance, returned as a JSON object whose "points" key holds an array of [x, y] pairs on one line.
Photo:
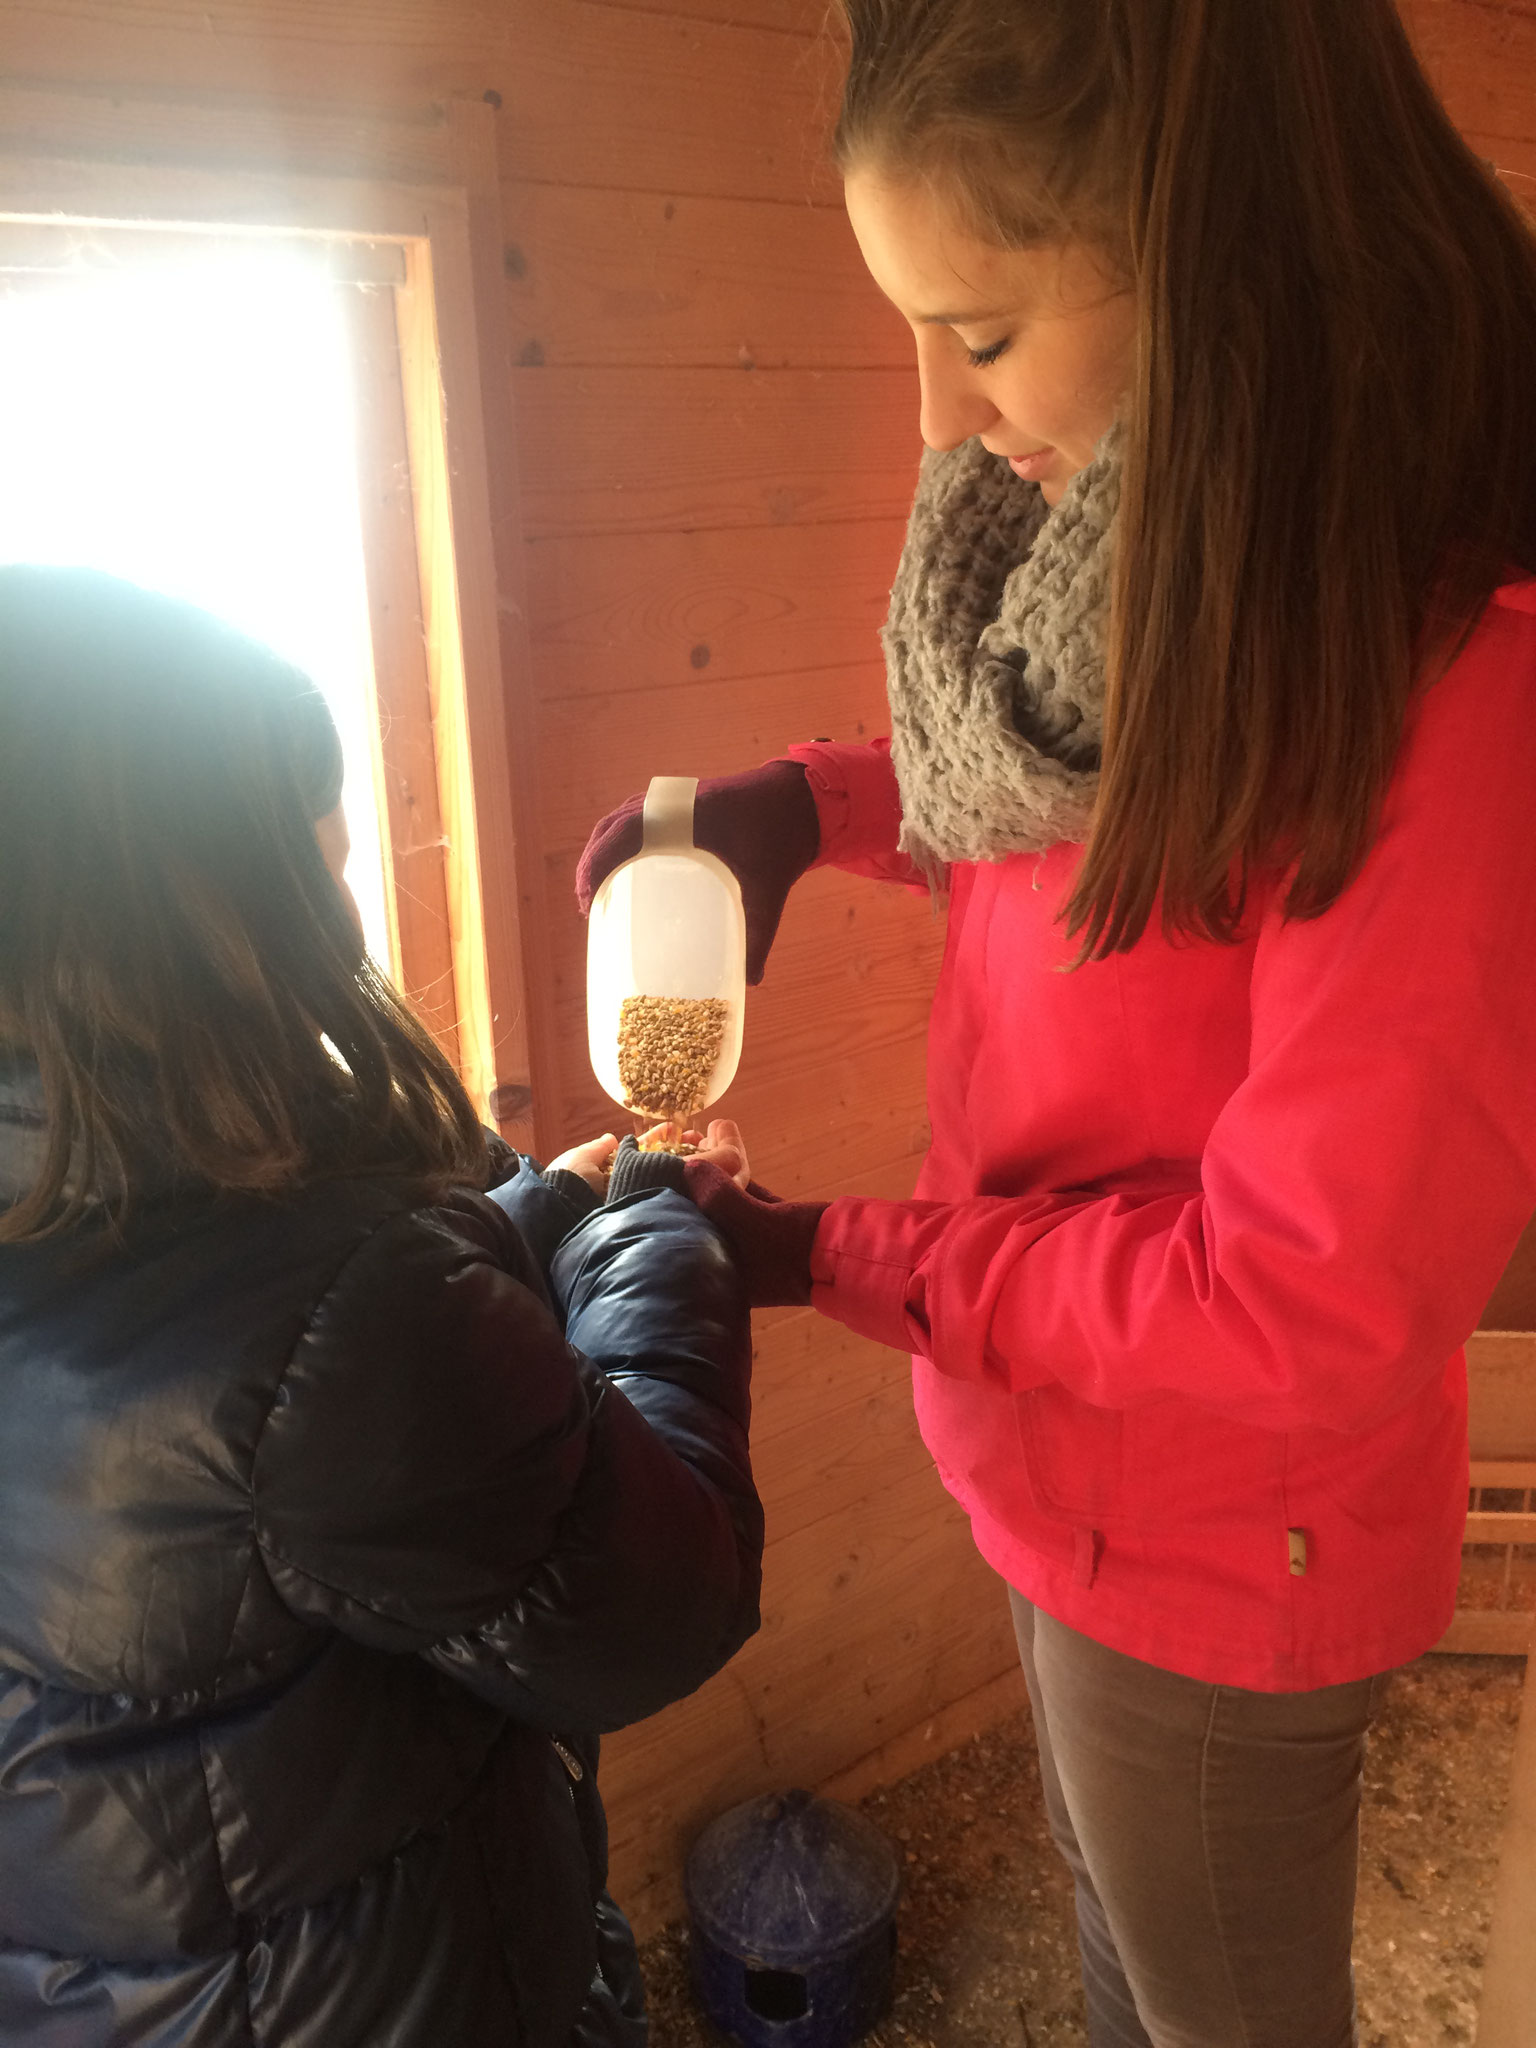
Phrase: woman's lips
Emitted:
{"points": [[1034, 467]]}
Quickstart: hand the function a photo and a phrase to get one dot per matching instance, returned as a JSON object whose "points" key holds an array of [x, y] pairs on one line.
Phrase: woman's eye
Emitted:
{"points": [[980, 357]]}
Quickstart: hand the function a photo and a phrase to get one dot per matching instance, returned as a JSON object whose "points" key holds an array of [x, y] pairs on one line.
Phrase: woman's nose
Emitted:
{"points": [[953, 406]]}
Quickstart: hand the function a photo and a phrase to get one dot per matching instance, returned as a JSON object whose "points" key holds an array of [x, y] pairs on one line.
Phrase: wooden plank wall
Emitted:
{"points": [[716, 434], [719, 443]]}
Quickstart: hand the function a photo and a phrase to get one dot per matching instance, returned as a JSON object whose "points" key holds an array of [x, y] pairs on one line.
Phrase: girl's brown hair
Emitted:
{"points": [[174, 954], [1331, 456]]}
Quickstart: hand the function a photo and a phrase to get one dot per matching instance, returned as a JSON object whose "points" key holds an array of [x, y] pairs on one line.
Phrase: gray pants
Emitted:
{"points": [[1212, 1834]]}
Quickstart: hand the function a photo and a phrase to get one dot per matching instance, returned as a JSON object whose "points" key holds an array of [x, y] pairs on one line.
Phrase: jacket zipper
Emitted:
{"points": [[572, 1763]]}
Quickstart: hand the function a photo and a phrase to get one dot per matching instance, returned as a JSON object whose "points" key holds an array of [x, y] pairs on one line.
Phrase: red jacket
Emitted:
{"points": [[1203, 1228]]}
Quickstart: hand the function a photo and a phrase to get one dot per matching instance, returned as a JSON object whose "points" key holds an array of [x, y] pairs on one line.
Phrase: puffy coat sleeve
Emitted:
{"points": [[545, 1211], [576, 1538], [1360, 1192], [858, 808]]}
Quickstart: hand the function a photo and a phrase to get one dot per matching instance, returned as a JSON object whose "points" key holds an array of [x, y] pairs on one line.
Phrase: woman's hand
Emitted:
{"points": [[762, 824], [590, 1161], [771, 1240]]}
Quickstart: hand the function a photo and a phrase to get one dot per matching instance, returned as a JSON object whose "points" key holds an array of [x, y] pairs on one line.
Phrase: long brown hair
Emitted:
{"points": [[1331, 455], [174, 954]]}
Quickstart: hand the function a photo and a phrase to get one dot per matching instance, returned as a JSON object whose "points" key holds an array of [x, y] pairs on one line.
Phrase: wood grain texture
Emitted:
{"points": [[406, 768], [962, 1721], [223, 131], [596, 747], [600, 278], [1501, 1527], [49, 247], [230, 199], [667, 103], [1481, 57], [1477, 1633], [790, 17], [833, 1460], [361, 54], [644, 451], [642, 611], [805, 1367], [438, 355], [1519, 1473], [1501, 1394], [485, 482]]}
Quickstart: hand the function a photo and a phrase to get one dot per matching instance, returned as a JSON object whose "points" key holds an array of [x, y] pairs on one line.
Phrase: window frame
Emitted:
{"points": [[441, 539]]}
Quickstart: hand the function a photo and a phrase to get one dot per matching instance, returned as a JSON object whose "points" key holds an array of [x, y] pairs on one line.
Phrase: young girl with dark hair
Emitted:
{"points": [[354, 1474], [1212, 676]]}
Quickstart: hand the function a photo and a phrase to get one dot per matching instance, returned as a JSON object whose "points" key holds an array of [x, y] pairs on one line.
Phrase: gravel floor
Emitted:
{"points": [[987, 1956]]}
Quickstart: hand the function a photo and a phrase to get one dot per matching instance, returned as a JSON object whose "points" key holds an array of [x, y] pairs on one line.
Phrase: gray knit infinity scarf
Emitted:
{"points": [[994, 652]]}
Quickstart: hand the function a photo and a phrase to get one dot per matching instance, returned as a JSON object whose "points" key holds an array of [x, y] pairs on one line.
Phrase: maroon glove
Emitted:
{"points": [[762, 824], [771, 1240]]}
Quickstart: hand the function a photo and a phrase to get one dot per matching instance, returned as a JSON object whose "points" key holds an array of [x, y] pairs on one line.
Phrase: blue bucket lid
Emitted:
{"points": [[790, 1880]]}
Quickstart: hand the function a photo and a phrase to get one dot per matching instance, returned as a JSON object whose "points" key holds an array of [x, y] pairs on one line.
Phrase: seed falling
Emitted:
{"points": [[668, 1047]]}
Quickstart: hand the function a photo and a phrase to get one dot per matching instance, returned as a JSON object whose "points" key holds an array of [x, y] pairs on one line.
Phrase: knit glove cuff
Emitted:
{"points": [[635, 1171], [580, 1198]]}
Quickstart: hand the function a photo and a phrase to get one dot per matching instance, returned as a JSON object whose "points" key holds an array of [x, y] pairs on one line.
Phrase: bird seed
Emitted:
{"points": [[668, 1048]]}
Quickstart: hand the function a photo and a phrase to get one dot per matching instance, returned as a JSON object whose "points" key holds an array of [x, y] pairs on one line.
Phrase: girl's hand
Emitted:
{"points": [[591, 1161]]}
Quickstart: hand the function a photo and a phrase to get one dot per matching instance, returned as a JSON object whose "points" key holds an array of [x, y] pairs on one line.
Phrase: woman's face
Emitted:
{"points": [[1031, 349]]}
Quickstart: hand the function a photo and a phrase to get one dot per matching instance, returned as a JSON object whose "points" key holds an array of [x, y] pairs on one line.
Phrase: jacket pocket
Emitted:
{"points": [[1161, 1467], [1074, 1454]]}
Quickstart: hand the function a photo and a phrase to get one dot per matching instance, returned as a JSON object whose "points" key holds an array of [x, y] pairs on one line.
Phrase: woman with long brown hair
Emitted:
{"points": [[1212, 673], [354, 1473]]}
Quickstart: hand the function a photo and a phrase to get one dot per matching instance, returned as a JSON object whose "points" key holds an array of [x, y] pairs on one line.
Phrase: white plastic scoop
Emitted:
{"points": [[667, 923]]}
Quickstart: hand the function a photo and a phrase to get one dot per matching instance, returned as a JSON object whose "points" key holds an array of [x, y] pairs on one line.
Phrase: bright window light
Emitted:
{"points": [[190, 427]]}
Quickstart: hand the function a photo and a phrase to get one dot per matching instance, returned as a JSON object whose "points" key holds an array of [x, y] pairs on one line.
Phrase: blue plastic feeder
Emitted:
{"points": [[792, 1901]]}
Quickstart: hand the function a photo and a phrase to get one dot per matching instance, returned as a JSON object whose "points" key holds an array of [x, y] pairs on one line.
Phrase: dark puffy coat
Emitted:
{"points": [[324, 1554]]}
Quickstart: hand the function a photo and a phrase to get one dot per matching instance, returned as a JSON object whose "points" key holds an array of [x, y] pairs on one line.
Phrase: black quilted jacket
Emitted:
{"points": [[324, 1553]]}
